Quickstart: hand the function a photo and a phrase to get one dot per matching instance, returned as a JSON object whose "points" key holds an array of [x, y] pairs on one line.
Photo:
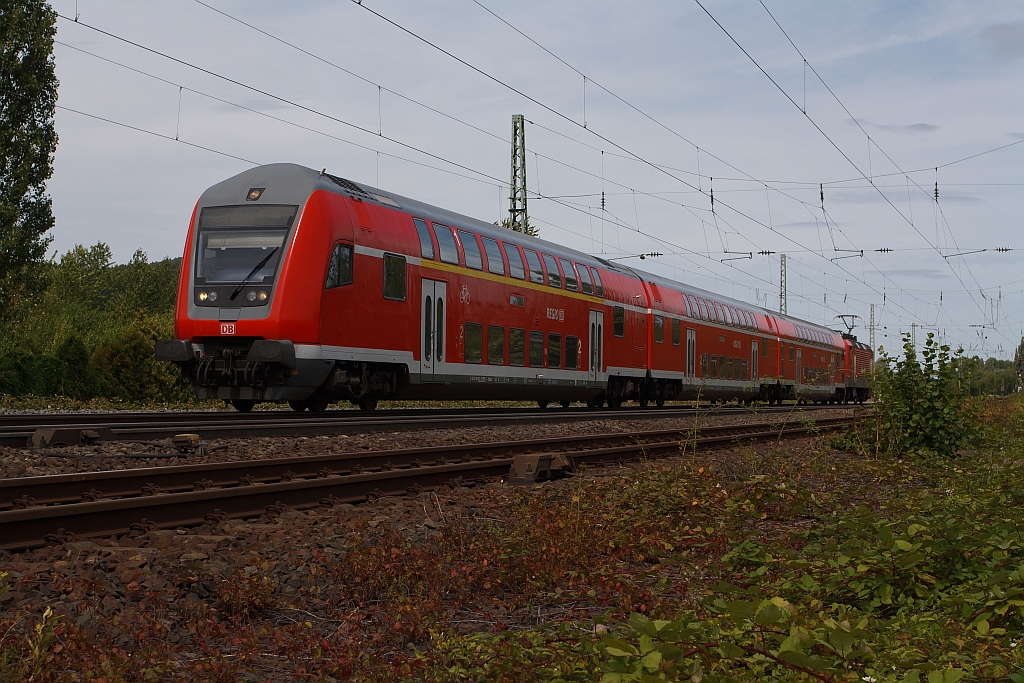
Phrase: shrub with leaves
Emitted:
{"points": [[923, 406]]}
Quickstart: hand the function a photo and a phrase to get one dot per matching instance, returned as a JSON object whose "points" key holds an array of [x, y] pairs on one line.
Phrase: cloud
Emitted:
{"points": [[910, 128], [1005, 40]]}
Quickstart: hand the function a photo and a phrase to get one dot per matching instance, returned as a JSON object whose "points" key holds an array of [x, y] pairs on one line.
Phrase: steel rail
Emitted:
{"points": [[41, 524], [15, 430], [79, 486]]}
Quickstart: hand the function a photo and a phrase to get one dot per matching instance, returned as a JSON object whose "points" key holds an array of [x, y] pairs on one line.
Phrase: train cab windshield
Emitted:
{"points": [[240, 245]]}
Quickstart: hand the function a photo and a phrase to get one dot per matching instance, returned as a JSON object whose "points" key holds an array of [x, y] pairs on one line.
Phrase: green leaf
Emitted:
{"points": [[842, 641], [651, 661], [769, 613], [903, 545], [982, 626], [741, 610], [730, 651], [642, 624]]}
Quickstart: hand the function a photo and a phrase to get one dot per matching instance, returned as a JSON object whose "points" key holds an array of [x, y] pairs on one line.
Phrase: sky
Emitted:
{"points": [[822, 130]]}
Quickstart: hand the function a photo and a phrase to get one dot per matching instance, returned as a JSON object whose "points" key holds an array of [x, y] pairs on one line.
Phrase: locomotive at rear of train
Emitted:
{"points": [[302, 287]]}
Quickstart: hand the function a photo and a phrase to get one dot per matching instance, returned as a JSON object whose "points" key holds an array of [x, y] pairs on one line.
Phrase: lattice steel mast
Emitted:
{"points": [[518, 219]]}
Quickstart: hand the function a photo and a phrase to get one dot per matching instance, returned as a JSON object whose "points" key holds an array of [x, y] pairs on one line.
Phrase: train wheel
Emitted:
{"points": [[614, 402], [317, 403], [660, 401], [243, 406], [596, 402], [297, 406], [565, 404], [367, 404], [542, 404]]}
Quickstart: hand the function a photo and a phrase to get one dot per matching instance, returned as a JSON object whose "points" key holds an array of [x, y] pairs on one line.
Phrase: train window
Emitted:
{"points": [[675, 332], [703, 365], [516, 346], [728, 368], [554, 350], [473, 350], [598, 287], [471, 249], [427, 325], [738, 319], [394, 277], [554, 277], [536, 349], [694, 313], [659, 329], [426, 244], [515, 261], [717, 310], [494, 262], [792, 352], [753, 321], [714, 366], [339, 270], [619, 321], [446, 244], [703, 310], [572, 353], [743, 369], [536, 272], [586, 284], [495, 344], [764, 347], [686, 306], [571, 283]]}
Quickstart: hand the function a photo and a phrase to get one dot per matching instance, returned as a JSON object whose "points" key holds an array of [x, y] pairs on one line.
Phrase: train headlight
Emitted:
{"points": [[202, 296], [213, 295], [263, 296], [251, 296]]}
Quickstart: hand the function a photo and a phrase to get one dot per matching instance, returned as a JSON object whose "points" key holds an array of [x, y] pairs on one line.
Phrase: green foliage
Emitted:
{"points": [[991, 376], [90, 332], [923, 407], [27, 142]]}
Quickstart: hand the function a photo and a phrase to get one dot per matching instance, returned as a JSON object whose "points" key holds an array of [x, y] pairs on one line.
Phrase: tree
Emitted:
{"points": [[28, 96]]}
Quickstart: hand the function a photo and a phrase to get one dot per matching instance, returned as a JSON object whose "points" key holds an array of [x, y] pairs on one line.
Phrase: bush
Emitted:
{"points": [[923, 407]]}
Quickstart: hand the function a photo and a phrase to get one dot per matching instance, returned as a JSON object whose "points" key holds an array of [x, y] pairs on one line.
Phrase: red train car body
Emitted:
{"points": [[304, 287]]}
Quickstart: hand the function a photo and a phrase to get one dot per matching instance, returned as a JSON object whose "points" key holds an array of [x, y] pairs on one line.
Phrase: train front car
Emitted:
{"points": [[249, 294]]}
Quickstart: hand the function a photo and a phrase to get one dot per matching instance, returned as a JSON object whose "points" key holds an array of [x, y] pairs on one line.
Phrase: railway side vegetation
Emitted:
{"points": [[784, 561], [88, 332]]}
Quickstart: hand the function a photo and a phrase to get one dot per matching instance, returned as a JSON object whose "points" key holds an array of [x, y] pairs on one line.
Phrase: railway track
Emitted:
{"points": [[16, 430], [35, 511]]}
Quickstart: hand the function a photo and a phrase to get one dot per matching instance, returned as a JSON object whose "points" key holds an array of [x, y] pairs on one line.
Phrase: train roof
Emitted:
{"points": [[287, 183]]}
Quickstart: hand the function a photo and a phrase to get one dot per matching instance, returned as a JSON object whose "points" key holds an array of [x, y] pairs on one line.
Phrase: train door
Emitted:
{"points": [[596, 345], [691, 353], [640, 333], [432, 324], [799, 368], [753, 360]]}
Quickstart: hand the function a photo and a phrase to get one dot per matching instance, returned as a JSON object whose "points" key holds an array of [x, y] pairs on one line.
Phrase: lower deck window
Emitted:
{"points": [[714, 366], [659, 329], [554, 350], [619, 321], [474, 343], [703, 365], [675, 332], [516, 347], [536, 349], [728, 368], [394, 277], [495, 345], [572, 348], [743, 365]]}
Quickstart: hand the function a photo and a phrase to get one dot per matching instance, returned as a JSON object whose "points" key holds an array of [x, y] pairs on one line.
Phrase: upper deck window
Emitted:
{"points": [[426, 244], [570, 276], [494, 262], [471, 249], [536, 272], [586, 284], [554, 277], [446, 244], [598, 287], [515, 261]]}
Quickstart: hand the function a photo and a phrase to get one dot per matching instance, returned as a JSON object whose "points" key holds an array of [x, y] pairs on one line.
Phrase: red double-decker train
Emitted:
{"points": [[301, 286]]}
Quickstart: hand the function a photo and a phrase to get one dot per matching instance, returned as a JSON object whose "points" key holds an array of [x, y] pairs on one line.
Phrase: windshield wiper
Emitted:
{"points": [[251, 273]]}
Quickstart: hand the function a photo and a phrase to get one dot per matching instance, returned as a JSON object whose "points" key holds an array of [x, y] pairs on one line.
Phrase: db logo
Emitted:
{"points": [[464, 295], [227, 328]]}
